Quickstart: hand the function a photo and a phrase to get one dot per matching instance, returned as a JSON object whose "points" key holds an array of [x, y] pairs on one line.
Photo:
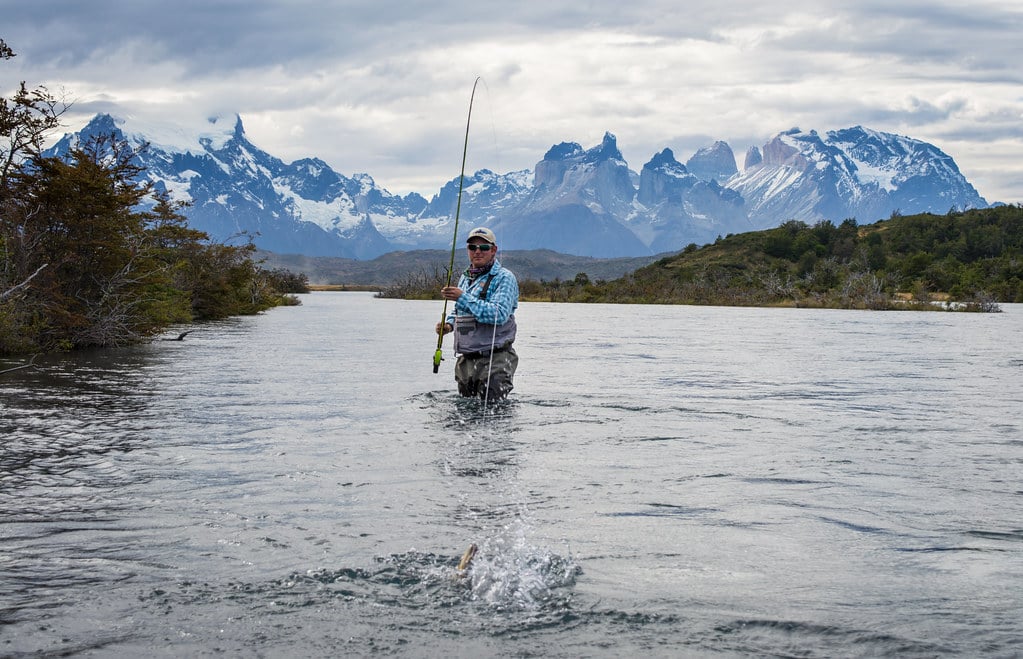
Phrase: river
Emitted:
{"points": [[664, 480]]}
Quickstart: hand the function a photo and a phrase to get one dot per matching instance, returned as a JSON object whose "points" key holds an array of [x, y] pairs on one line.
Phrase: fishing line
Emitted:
{"points": [[438, 356], [492, 113], [490, 368]]}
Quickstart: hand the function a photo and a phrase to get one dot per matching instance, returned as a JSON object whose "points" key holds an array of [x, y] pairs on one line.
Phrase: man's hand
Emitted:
{"points": [[451, 293], [444, 328]]}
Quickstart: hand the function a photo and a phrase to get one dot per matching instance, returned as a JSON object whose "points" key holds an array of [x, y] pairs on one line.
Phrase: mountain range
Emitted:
{"points": [[587, 202]]}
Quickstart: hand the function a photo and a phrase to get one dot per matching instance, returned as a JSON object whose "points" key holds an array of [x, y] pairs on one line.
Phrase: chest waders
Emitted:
{"points": [[486, 361]]}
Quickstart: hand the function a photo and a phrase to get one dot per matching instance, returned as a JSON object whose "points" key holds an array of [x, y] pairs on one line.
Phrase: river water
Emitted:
{"points": [[670, 481]]}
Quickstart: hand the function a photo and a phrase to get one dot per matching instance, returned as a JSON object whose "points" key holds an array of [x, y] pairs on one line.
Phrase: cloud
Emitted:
{"points": [[384, 87]]}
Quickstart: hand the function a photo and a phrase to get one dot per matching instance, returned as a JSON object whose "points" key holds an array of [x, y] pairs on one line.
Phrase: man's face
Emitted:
{"points": [[479, 258]]}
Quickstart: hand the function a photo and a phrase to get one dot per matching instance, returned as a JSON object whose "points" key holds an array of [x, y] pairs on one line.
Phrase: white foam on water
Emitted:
{"points": [[509, 572]]}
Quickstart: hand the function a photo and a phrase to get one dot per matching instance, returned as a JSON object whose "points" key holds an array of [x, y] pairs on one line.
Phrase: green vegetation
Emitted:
{"points": [[968, 260], [90, 256]]}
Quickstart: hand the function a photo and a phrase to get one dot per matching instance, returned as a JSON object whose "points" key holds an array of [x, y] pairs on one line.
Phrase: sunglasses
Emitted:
{"points": [[482, 248]]}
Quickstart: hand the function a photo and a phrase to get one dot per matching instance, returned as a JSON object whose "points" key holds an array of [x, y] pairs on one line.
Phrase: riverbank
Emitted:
{"points": [[342, 288]]}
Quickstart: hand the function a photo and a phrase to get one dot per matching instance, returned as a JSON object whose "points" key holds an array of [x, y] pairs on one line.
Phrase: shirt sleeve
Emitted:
{"points": [[463, 283]]}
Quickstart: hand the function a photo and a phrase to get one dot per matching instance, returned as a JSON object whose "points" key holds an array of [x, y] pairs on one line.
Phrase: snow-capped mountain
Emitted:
{"points": [[576, 204], [713, 163], [235, 188], [851, 173], [676, 207], [576, 201]]}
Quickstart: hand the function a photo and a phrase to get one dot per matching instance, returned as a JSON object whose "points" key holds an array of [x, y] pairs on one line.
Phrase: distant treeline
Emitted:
{"points": [[970, 259], [967, 260], [89, 256], [394, 267]]}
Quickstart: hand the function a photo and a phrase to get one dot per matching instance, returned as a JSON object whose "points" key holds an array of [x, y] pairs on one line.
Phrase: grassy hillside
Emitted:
{"points": [[974, 258]]}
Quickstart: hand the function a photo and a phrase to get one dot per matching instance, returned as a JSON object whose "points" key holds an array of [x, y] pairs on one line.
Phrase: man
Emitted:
{"points": [[483, 319]]}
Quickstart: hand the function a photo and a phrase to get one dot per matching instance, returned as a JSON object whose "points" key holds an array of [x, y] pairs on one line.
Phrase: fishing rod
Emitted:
{"points": [[438, 356]]}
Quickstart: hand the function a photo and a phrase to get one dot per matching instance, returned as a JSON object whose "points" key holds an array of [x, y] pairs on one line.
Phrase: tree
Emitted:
{"points": [[92, 254], [108, 283], [26, 118]]}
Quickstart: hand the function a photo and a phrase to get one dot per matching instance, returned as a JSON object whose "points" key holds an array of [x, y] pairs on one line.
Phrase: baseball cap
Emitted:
{"points": [[484, 233]]}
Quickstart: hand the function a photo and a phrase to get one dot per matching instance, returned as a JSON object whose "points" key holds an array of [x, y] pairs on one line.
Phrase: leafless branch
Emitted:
{"points": [[11, 291], [30, 364]]}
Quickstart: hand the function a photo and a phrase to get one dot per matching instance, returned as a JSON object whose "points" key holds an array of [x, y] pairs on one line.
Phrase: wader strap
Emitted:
{"points": [[483, 291]]}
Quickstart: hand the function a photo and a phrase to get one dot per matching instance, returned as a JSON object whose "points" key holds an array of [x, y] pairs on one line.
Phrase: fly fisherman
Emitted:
{"points": [[483, 320]]}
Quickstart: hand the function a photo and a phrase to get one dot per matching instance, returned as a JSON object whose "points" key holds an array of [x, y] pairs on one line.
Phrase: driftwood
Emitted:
{"points": [[180, 337], [30, 364]]}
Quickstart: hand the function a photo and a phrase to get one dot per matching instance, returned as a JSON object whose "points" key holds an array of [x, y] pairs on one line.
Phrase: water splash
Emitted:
{"points": [[510, 573]]}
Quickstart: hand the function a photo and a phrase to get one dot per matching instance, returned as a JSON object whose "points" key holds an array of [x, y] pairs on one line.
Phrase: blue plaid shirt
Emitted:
{"points": [[501, 301]]}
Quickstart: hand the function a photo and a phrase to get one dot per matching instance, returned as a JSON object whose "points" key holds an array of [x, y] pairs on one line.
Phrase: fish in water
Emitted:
{"points": [[466, 560]]}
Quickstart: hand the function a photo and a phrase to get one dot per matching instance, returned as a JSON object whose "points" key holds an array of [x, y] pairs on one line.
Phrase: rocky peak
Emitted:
{"points": [[561, 159], [753, 158], [608, 150], [661, 178], [100, 124], [782, 152], [563, 151], [665, 161], [713, 163]]}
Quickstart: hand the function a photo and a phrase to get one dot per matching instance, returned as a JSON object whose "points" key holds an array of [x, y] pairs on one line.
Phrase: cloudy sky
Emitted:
{"points": [[383, 87]]}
